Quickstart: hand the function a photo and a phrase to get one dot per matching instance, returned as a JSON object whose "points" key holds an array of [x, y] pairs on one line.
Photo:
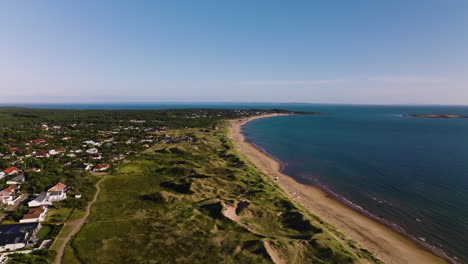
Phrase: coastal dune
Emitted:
{"points": [[386, 244]]}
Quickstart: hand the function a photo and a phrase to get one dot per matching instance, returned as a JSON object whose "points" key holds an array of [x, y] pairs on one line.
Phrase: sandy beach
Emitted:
{"points": [[388, 245]]}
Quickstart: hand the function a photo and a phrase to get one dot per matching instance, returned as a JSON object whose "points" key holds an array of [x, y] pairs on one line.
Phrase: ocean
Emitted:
{"points": [[410, 172]]}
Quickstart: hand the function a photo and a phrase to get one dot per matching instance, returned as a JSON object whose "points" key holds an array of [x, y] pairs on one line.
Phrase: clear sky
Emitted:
{"points": [[330, 51]]}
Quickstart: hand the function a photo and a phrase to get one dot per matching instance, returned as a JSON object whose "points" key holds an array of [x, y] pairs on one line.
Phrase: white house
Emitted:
{"points": [[41, 199], [9, 194], [92, 151], [58, 192], [85, 166], [2, 175], [37, 214], [54, 194]]}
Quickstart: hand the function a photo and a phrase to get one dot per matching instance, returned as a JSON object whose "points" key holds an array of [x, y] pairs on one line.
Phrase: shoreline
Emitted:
{"points": [[385, 240]]}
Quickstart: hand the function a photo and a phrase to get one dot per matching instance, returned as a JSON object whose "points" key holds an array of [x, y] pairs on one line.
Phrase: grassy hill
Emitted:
{"points": [[201, 202]]}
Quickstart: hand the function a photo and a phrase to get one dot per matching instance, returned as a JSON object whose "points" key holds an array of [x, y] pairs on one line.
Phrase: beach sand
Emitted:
{"points": [[386, 244]]}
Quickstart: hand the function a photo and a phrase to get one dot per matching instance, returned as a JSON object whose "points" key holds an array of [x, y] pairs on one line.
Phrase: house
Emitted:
{"points": [[66, 138], [9, 194], [101, 167], [96, 156], [92, 151], [77, 151], [14, 149], [71, 155], [57, 151], [11, 171], [38, 141], [2, 175], [85, 166], [44, 127], [34, 170], [42, 154], [91, 142], [16, 180], [35, 215], [53, 152], [41, 199], [56, 193], [17, 236]]}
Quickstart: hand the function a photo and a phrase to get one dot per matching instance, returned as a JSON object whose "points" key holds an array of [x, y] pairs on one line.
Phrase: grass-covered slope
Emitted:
{"points": [[200, 202]]}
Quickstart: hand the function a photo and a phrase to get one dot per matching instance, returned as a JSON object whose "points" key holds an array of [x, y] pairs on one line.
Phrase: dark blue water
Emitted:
{"points": [[409, 171]]}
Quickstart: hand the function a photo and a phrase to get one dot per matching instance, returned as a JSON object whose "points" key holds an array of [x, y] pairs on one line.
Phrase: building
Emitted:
{"points": [[11, 171], [17, 236], [101, 167], [2, 175], [16, 180], [41, 199], [54, 194], [96, 156], [38, 141], [85, 166], [58, 192], [37, 214], [42, 154], [92, 151], [9, 194]]}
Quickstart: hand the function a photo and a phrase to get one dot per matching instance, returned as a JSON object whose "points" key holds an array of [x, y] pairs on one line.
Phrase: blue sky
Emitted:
{"points": [[363, 52]]}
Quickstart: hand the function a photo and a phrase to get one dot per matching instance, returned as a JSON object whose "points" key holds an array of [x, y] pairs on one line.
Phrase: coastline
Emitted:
{"points": [[384, 242]]}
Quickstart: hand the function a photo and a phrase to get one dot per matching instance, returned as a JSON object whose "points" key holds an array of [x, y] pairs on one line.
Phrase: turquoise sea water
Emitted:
{"points": [[412, 172]]}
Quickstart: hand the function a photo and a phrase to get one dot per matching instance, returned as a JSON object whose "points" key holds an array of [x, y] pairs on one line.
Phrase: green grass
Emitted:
{"points": [[61, 237], [44, 232], [167, 206]]}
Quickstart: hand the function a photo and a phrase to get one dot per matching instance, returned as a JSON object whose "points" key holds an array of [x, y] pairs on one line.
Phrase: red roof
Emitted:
{"points": [[35, 212], [58, 187], [10, 188], [10, 170], [101, 166], [43, 153]]}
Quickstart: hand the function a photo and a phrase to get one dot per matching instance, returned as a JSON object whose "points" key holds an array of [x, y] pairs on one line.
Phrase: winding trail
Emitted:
{"points": [[78, 224]]}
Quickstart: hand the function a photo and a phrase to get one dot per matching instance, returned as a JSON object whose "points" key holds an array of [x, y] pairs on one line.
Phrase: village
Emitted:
{"points": [[45, 169], [36, 175]]}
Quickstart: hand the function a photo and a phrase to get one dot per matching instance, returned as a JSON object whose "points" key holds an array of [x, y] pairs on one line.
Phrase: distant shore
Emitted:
{"points": [[384, 242]]}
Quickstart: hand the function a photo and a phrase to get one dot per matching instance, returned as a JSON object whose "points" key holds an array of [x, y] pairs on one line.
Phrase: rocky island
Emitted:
{"points": [[435, 116]]}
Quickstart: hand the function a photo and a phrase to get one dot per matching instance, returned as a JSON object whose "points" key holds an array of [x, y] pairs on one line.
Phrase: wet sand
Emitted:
{"points": [[385, 243]]}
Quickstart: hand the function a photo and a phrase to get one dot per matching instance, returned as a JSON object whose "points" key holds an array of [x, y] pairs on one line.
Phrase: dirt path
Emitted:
{"points": [[77, 224]]}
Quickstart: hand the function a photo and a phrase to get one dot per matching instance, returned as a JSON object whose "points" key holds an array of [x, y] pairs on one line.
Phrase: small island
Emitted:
{"points": [[435, 116]]}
